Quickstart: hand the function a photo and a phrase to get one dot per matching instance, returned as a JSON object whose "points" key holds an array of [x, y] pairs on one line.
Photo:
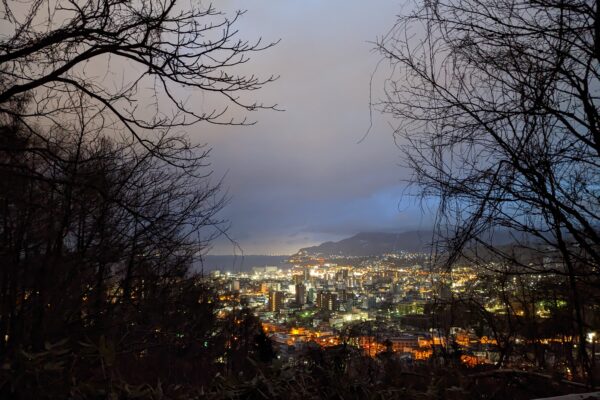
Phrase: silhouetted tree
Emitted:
{"points": [[135, 63], [498, 109], [105, 203]]}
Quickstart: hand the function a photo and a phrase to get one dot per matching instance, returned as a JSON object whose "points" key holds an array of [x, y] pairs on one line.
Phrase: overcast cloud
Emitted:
{"points": [[299, 177]]}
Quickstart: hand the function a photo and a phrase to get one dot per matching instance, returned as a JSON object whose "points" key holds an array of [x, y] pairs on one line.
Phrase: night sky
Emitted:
{"points": [[300, 177]]}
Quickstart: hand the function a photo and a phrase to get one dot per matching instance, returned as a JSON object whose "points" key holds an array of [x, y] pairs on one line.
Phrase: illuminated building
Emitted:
{"points": [[306, 273], [264, 287], [311, 295], [300, 294], [327, 301], [275, 301]]}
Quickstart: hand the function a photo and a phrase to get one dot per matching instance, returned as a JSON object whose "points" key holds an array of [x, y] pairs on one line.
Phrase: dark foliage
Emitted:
{"points": [[497, 106]]}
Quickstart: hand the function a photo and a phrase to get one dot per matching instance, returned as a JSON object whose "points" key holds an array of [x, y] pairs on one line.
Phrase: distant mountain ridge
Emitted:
{"points": [[374, 243], [366, 244]]}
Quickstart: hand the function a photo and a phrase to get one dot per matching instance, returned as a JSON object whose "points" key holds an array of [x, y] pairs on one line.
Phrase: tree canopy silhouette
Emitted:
{"points": [[497, 110]]}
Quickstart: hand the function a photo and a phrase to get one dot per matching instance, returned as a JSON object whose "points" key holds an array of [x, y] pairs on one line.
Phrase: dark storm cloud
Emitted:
{"points": [[299, 177]]}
